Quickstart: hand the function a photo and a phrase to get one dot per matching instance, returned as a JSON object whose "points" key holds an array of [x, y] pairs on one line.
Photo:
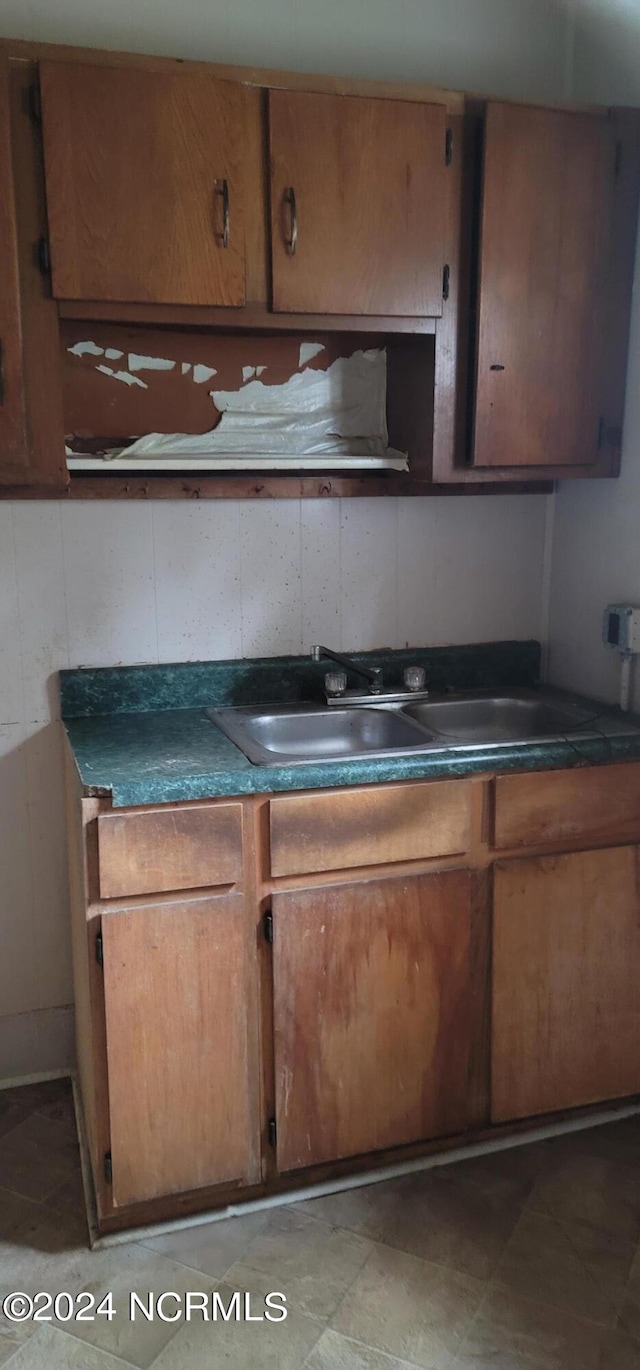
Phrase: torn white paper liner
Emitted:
{"points": [[314, 417]]}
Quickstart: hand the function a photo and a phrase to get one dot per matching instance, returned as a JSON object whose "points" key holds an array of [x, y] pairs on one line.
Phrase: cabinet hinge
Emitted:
{"points": [[272, 1132], [108, 1168], [99, 949], [35, 103], [44, 256], [617, 159], [267, 924], [448, 147], [446, 282]]}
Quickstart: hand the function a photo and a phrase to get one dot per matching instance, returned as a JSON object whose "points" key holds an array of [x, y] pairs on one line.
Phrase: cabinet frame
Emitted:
{"points": [[449, 471], [259, 887]]}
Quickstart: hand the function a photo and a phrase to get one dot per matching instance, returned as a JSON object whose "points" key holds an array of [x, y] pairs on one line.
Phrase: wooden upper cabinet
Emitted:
{"points": [[357, 204], [145, 184], [378, 1011], [546, 220], [31, 422]]}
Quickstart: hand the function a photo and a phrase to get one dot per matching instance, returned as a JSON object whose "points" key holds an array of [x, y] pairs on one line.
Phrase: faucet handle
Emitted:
{"points": [[335, 682], [414, 677]]}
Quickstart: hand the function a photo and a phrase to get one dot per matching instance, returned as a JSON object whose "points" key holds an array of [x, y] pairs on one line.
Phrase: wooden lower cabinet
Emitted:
{"points": [[382, 1008], [566, 981], [378, 1006], [181, 1079]]}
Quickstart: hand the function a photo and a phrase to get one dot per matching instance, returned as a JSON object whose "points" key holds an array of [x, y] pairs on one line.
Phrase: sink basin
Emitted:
{"points": [[498, 719], [299, 734], [293, 736]]}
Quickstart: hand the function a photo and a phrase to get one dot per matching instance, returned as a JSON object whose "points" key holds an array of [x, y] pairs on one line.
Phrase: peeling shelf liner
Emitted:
{"points": [[321, 417]]}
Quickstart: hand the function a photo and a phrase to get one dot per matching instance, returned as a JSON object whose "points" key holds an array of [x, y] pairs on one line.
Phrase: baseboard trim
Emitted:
{"points": [[377, 1176]]}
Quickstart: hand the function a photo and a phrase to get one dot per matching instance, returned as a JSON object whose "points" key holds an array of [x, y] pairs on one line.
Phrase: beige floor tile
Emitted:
{"points": [[620, 1352], [37, 1156], [514, 1170], [123, 1270], [282, 1345], [410, 1308], [69, 1197], [512, 1333], [435, 1215], [309, 1261], [51, 1349], [11, 1113], [629, 1320], [13, 1335], [15, 1213], [335, 1352], [42, 1250], [38, 1096], [210, 1247], [571, 1266], [613, 1141], [596, 1190]]}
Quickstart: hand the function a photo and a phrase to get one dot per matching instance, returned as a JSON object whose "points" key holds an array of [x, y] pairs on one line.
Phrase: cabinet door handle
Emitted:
{"points": [[292, 240], [223, 189]]}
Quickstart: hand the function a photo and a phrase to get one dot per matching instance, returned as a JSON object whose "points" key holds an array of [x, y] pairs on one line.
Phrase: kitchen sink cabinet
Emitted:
{"points": [[254, 1012], [178, 1000], [377, 1009], [358, 203], [145, 184], [566, 968]]}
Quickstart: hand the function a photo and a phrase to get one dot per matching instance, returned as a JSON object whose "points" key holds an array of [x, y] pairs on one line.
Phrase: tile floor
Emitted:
{"points": [[524, 1260]]}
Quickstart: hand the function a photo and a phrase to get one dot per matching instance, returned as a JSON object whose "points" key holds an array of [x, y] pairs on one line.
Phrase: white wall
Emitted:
{"points": [[596, 547], [99, 584]]}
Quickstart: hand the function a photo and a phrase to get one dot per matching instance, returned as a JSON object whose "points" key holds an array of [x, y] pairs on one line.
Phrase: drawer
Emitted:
{"points": [[339, 829], [594, 805], [183, 848]]}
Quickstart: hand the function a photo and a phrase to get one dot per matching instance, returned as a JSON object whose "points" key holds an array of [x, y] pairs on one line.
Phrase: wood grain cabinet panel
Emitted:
{"points": [[358, 199], [377, 1006], [182, 1074], [566, 970], [340, 829], [141, 168], [598, 804], [154, 850], [545, 236]]}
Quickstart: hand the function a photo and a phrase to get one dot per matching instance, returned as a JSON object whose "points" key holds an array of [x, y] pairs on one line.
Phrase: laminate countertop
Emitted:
{"points": [[142, 735]]}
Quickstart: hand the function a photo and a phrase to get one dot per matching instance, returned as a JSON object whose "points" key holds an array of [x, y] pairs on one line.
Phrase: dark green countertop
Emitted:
{"points": [[131, 742]]}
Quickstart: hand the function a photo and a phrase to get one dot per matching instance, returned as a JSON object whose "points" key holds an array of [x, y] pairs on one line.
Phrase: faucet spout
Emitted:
{"points": [[372, 674]]}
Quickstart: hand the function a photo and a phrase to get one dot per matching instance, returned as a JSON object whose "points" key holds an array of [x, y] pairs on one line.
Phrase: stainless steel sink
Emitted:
{"points": [[498, 719], [298, 734], [293, 735]]}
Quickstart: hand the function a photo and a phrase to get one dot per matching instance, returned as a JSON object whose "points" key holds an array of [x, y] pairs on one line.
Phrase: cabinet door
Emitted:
{"points": [[546, 218], [378, 1011], [357, 204], [179, 999], [144, 184], [566, 970], [31, 424]]}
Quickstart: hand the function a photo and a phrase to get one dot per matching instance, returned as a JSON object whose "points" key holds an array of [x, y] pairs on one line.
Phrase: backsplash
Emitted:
{"points": [[102, 584]]}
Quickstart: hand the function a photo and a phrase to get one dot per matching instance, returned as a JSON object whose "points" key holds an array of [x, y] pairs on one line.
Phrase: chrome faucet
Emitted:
{"points": [[371, 673]]}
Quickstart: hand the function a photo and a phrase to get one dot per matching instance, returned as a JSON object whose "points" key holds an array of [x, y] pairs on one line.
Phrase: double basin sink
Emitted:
{"points": [[298, 734]]}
